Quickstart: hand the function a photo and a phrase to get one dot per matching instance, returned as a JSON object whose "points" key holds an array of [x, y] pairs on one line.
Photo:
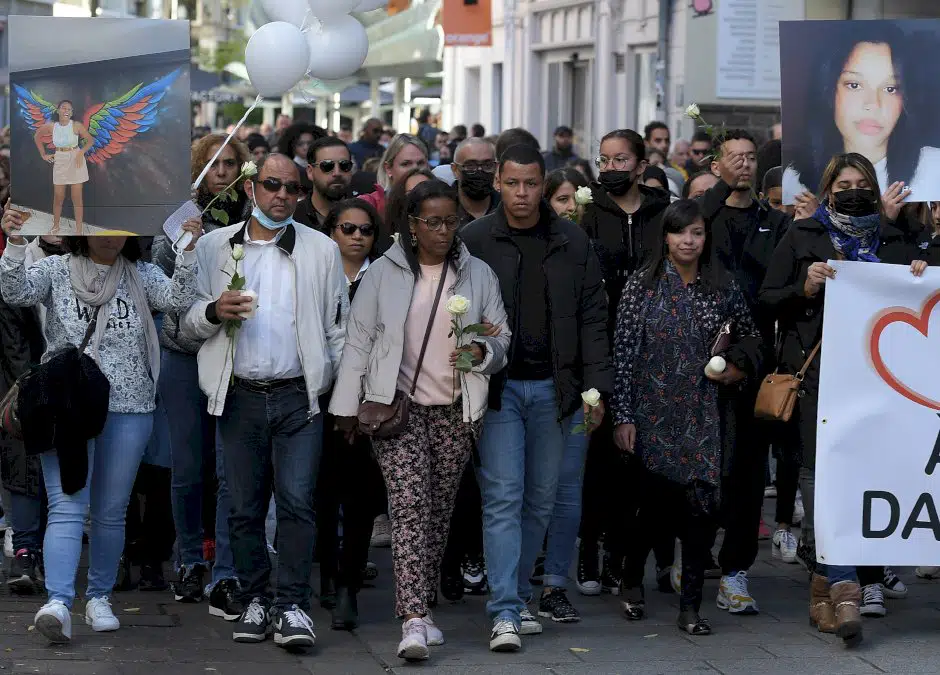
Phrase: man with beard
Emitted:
{"points": [[744, 235], [475, 169], [562, 154], [329, 168]]}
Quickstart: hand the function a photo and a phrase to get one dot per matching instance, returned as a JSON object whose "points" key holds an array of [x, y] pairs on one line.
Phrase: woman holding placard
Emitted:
{"points": [[850, 223]]}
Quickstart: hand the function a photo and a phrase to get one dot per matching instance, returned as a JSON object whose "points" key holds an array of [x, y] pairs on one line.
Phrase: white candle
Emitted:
{"points": [[254, 304]]}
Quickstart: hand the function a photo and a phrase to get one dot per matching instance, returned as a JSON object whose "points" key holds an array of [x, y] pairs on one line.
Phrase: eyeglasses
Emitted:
{"points": [[350, 228], [617, 163], [699, 153], [474, 167], [434, 223], [275, 185], [327, 165]]}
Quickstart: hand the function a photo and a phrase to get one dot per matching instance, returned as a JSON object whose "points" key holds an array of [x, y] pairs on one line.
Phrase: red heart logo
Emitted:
{"points": [[919, 322]]}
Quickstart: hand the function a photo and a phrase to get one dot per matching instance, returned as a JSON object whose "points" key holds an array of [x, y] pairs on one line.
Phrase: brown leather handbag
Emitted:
{"points": [[777, 396], [384, 420]]}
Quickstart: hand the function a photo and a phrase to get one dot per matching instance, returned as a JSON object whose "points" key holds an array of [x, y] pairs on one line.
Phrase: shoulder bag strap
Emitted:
{"points": [[809, 360], [89, 331], [427, 333]]}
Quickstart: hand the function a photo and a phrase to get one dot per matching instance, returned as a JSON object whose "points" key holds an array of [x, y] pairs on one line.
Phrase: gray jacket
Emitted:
{"points": [[376, 330]]}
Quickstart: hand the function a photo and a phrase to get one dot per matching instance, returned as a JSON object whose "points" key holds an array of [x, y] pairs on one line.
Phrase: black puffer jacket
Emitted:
{"points": [[576, 300]]}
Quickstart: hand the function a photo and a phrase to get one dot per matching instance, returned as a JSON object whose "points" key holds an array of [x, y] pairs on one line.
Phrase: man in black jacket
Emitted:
{"points": [[745, 234], [329, 168], [554, 295]]}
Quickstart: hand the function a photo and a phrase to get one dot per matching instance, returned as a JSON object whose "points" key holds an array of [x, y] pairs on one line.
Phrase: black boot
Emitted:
{"points": [[346, 613], [151, 578], [327, 593], [125, 579]]}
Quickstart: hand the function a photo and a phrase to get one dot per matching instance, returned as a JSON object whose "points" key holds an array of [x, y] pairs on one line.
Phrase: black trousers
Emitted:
{"points": [[665, 507], [349, 480], [150, 532], [742, 497], [466, 524]]}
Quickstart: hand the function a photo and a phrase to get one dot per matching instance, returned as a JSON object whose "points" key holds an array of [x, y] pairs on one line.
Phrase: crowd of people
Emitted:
{"points": [[490, 357]]}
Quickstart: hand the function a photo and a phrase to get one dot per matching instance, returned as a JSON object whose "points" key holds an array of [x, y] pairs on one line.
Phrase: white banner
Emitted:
{"points": [[878, 440]]}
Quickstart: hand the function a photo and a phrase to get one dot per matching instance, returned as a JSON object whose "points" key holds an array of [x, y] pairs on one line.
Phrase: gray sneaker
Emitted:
{"points": [[505, 637], [529, 624]]}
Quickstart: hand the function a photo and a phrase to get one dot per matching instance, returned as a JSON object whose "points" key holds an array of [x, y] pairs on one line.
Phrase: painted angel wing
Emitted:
{"points": [[115, 123], [35, 110]]}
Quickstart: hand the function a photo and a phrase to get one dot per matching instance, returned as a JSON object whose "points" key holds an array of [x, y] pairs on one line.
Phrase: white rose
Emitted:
{"points": [[693, 111], [583, 196], [249, 169], [592, 397], [457, 305], [238, 252]]}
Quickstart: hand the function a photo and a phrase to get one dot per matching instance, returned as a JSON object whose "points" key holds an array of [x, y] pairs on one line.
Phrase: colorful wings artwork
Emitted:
{"points": [[111, 124]]}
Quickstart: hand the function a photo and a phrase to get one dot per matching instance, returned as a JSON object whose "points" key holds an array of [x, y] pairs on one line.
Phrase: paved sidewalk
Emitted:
{"points": [[161, 637]]}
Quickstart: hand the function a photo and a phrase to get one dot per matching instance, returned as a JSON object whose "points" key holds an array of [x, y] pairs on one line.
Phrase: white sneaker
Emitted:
{"points": [[8, 543], [529, 625], [414, 641], [505, 637], [381, 532], [54, 622], [893, 587], [435, 636], [927, 572], [873, 601], [798, 511], [784, 546], [99, 616], [733, 595]]}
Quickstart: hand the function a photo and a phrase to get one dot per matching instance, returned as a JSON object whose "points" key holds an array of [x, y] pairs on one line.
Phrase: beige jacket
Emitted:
{"points": [[376, 332]]}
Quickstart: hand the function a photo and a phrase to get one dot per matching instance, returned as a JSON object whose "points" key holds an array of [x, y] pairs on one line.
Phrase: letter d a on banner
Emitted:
{"points": [[467, 23]]}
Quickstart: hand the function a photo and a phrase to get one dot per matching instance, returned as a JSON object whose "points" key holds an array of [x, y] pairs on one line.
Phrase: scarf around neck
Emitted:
{"points": [[96, 291], [856, 238]]}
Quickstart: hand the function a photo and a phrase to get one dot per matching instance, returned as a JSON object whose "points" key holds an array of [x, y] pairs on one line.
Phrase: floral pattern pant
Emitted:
{"points": [[422, 469]]}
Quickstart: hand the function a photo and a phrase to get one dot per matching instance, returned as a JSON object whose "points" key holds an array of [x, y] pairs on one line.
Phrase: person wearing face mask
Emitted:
{"points": [[850, 223], [263, 388], [475, 170]]}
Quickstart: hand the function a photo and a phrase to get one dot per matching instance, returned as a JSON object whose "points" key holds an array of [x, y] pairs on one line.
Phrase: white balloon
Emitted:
{"points": [[276, 58], [369, 5], [331, 9], [291, 11], [338, 48]]}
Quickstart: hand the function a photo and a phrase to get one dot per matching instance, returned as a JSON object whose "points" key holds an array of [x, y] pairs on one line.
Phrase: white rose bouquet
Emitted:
{"points": [[458, 306], [592, 399], [228, 194]]}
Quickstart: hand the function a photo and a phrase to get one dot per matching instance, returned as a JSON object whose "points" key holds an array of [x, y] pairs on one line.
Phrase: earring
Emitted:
{"points": [[414, 240]]}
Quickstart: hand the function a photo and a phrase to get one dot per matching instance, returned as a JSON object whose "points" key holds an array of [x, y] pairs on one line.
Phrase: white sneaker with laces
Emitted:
{"points": [[733, 595], [414, 640], [893, 587], [99, 616], [54, 622], [381, 532], [529, 625], [505, 637], [784, 546], [435, 636], [873, 601]]}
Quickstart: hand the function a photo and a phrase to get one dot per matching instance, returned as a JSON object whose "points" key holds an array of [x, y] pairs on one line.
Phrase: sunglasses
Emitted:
{"points": [[350, 229], [327, 165], [698, 152], [434, 223], [275, 185]]}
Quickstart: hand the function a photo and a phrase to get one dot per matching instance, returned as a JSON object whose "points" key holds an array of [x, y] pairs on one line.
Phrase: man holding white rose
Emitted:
{"points": [[262, 285], [554, 295]]}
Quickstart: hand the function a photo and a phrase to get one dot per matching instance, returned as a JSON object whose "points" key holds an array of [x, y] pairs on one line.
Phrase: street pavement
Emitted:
{"points": [[161, 637]]}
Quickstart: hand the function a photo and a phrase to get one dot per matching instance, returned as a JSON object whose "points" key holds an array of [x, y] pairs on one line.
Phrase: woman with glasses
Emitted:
{"points": [[404, 153], [349, 476], [621, 223], [399, 342]]}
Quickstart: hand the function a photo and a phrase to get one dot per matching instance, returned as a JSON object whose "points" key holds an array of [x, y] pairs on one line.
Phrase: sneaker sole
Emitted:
{"points": [[416, 652], [590, 590], [102, 629], [894, 595], [726, 607], [874, 612], [215, 611], [295, 641], [249, 637], [25, 585], [506, 643], [51, 628], [562, 619]]}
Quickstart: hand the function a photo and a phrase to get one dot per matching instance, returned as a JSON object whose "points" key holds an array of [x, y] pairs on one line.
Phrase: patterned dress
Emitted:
{"points": [[662, 344]]}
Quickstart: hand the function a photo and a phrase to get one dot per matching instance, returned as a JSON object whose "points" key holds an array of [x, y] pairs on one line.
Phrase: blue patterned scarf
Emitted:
{"points": [[856, 238]]}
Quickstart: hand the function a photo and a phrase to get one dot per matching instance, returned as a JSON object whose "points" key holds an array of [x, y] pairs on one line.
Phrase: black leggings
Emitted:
{"points": [[150, 532]]}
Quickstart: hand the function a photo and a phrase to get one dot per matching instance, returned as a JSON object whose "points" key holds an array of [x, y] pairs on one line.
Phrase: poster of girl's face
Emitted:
{"points": [[861, 86], [100, 123]]}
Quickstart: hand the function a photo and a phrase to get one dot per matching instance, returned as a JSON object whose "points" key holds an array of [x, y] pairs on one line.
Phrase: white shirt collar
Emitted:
{"points": [[362, 270]]}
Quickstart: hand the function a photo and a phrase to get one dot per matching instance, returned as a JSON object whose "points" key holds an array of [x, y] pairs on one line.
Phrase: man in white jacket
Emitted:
{"points": [[263, 370]]}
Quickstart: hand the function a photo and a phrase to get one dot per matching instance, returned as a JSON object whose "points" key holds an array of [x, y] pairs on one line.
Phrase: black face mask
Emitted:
{"points": [[617, 183], [857, 202], [477, 185]]}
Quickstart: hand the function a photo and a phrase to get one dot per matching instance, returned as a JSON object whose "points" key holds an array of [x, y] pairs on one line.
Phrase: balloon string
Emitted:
{"points": [[303, 24], [218, 152]]}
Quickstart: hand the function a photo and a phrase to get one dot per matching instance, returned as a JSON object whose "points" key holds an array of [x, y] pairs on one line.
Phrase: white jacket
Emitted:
{"points": [[321, 306]]}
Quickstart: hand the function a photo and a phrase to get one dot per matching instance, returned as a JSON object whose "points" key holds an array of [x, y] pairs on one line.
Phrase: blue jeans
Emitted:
{"points": [[113, 460], [25, 517], [837, 573], [521, 453], [193, 441], [270, 442], [566, 518]]}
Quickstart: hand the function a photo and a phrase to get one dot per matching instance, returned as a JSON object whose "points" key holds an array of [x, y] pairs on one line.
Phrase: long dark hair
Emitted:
{"points": [[823, 141], [79, 246], [849, 160], [559, 177], [432, 189], [396, 200], [339, 208], [675, 218]]}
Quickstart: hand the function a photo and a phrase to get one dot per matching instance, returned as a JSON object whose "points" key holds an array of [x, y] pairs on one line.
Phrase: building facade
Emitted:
{"points": [[597, 65]]}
